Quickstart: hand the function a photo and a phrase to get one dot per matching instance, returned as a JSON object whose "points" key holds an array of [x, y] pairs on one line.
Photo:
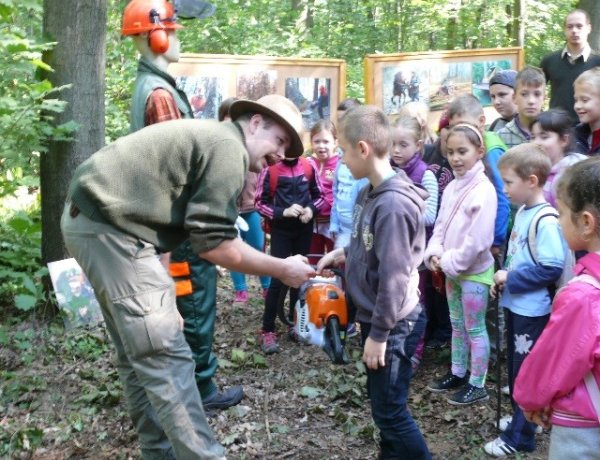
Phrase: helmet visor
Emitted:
{"points": [[193, 9]]}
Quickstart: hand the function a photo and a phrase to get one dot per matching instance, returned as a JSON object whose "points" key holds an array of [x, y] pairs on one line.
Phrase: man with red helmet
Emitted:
{"points": [[156, 98]]}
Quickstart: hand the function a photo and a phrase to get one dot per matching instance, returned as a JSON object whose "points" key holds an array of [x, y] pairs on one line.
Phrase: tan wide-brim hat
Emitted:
{"points": [[283, 111]]}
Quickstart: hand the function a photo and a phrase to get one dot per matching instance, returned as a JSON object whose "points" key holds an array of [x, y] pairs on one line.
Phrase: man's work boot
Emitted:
{"points": [[220, 400]]}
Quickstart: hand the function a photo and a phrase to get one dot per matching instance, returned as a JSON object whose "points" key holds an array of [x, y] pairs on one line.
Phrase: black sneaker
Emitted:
{"points": [[468, 395], [436, 344], [223, 400], [448, 382]]}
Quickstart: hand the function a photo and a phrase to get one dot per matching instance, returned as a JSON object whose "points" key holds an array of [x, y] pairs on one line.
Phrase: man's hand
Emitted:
{"points": [[294, 211], [374, 354], [307, 215], [297, 271], [434, 261]]}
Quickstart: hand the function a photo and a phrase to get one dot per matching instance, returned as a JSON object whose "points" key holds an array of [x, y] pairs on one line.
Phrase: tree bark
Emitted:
{"points": [[78, 59], [593, 9], [520, 10]]}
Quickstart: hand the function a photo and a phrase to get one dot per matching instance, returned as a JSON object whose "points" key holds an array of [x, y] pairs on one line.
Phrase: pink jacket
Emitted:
{"points": [[552, 375], [326, 171], [463, 234]]}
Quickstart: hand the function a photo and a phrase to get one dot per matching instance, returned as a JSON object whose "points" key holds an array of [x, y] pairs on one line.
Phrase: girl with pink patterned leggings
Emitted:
{"points": [[467, 301], [460, 248]]}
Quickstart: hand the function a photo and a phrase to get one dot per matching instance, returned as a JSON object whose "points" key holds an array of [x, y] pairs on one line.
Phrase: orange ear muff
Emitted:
{"points": [[158, 40]]}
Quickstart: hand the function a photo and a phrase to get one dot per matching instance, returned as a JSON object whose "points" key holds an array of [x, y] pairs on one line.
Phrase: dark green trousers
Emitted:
{"points": [[199, 310]]}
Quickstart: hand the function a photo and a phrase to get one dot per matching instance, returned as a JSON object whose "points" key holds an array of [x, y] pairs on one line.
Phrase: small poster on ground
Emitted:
{"points": [[74, 294]]}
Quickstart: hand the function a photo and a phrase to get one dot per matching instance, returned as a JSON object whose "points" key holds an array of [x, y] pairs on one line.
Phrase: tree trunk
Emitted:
{"points": [[520, 11], [452, 25], [79, 28], [593, 9]]}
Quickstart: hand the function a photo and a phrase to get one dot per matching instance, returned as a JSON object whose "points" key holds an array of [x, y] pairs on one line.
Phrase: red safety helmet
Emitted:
{"points": [[155, 17]]}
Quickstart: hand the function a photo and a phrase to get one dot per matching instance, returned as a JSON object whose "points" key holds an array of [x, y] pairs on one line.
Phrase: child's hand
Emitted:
{"points": [[500, 277], [333, 258], [539, 417], [374, 354], [306, 216], [434, 262], [294, 210], [495, 290]]}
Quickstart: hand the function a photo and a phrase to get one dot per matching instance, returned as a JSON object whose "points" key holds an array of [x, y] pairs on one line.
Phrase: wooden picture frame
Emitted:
{"points": [[316, 86], [435, 77]]}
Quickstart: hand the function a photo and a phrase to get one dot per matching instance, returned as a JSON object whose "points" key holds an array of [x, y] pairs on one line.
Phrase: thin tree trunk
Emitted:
{"points": [[520, 10], [79, 28]]}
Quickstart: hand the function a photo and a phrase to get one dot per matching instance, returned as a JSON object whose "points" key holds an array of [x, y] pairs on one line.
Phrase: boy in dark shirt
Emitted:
{"points": [[388, 221]]}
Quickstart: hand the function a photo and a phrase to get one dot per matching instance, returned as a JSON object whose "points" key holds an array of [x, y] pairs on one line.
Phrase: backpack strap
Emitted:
{"points": [[545, 211], [586, 278], [593, 391]]}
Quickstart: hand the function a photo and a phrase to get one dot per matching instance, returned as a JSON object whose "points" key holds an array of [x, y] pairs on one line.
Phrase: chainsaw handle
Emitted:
{"points": [[335, 270]]}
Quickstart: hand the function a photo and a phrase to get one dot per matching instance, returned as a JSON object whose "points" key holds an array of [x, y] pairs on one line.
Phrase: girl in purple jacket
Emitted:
{"points": [[559, 381], [460, 247]]}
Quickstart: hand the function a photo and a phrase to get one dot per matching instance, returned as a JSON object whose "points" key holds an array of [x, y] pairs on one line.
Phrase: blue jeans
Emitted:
{"points": [[255, 237], [388, 389]]}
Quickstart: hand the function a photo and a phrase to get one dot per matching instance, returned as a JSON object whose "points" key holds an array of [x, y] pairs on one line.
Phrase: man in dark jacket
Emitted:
{"points": [[561, 68]]}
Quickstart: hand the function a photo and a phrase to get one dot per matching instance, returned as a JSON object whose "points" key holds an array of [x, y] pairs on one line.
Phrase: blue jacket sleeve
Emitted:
{"points": [[530, 278], [503, 210]]}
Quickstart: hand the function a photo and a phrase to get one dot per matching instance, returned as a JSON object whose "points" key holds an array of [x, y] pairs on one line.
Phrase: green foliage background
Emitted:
{"points": [[344, 29]]}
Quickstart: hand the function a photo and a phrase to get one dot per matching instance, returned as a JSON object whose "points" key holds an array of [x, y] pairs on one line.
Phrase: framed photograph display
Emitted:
{"points": [[392, 80], [316, 86]]}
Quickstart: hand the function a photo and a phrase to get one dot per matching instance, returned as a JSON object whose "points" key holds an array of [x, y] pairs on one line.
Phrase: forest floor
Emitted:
{"points": [[60, 397]]}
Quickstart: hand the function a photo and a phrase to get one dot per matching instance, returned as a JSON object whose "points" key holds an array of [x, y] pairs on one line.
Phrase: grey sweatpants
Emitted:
{"points": [[137, 297]]}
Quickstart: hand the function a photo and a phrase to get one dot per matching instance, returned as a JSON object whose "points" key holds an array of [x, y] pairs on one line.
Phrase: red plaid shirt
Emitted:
{"points": [[161, 107]]}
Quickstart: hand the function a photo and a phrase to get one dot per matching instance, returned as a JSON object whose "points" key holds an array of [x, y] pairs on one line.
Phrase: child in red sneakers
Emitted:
{"points": [[254, 236], [289, 195]]}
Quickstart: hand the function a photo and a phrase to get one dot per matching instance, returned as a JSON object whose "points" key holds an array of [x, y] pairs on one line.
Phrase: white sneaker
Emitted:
{"points": [[505, 390], [498, 448], [504, 421]]}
